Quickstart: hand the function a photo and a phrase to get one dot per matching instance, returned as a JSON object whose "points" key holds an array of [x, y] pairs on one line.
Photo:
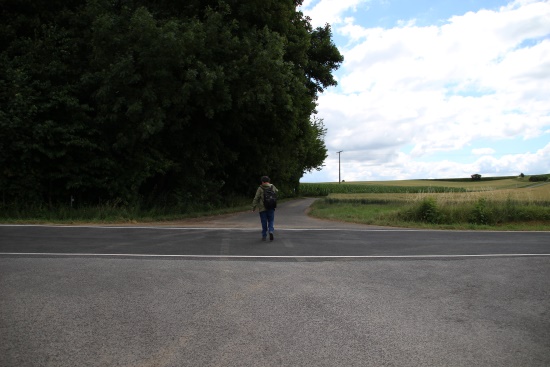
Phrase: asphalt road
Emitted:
{"points": [[210, 293]]}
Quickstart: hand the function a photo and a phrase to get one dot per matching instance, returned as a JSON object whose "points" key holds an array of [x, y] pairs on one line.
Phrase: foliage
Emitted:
{"points": [[538, 178], [158, 103], [480, 214], [428, 211], [113, 212]]}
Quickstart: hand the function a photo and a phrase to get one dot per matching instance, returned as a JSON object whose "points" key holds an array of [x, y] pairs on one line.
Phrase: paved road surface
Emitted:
{"points": [[78, 296]]}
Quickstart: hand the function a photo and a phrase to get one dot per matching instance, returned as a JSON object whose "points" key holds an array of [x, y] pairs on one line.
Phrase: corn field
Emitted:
{"points": [[325, 189]]}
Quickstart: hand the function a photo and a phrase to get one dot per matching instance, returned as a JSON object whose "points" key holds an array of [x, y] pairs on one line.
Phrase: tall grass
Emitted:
{"points": [[430, 213], [114, 212], [481, 212], [446, 209]]}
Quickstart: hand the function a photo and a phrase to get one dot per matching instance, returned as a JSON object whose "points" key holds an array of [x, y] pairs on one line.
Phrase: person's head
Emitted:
{"points": [[265, 179]]}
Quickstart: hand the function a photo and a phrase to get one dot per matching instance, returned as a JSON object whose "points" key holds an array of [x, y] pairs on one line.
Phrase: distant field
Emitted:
{"points": [[537, 193], [508, 203], [492, 184], [467, 185], [325, 189], [413, 186]]}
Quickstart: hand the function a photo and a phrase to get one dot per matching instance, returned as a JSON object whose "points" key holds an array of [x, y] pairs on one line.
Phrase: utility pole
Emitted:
{"points": [[339, 180]]}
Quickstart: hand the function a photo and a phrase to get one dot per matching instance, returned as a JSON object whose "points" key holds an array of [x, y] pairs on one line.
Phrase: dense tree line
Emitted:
{"points": [[158, 101]]}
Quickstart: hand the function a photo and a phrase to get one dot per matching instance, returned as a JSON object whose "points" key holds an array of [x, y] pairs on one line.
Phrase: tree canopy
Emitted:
{"points": [[158, 101]]}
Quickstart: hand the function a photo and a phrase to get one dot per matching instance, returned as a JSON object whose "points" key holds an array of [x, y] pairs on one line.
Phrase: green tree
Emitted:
{"points": [[163, 101], [47, 146]]}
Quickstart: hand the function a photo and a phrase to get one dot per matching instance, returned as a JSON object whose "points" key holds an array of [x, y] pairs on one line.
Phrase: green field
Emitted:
{"points": [[505, 203]]}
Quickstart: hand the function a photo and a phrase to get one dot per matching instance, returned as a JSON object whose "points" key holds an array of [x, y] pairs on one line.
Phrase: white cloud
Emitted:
{"points": [[482, 75], [529, 163], [330, 11], [483, 151], [402, 167]]}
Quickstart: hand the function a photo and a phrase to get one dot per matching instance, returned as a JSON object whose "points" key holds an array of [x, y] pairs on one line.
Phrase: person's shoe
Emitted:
{"points": [[263, 238], [271, 236]]}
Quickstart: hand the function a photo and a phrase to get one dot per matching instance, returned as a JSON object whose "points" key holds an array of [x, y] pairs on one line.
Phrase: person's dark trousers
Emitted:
{"points": [[268, 220]]}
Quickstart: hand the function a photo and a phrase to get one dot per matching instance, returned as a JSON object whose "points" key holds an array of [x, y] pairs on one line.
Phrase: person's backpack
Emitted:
{"points": [[270, 197]]}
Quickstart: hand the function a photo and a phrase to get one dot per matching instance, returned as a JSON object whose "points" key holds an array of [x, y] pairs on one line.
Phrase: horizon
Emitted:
{"points": [[441, 179], [435, 89]]}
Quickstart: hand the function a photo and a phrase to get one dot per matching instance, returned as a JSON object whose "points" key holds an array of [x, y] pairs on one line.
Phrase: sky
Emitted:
{"points": [[435, 89]]}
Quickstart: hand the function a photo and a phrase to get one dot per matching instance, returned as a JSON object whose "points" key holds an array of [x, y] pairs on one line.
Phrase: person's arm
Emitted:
{"points": [[257, 198]]}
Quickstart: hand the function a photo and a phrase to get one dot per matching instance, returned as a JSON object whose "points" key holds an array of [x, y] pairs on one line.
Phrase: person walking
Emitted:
{"points": [[266, 202]]}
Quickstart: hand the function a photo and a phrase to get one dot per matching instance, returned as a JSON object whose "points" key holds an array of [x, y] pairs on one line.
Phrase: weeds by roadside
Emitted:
{"points": [[428, 214], [113, 213]]}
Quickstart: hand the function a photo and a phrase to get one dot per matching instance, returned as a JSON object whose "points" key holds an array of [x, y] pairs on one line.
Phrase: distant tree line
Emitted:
{"points": [[539, 178], [158, 102]]}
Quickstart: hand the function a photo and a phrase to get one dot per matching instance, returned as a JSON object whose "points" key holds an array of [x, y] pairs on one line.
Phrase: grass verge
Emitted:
{"points": [[519, 209], [428, 214]]}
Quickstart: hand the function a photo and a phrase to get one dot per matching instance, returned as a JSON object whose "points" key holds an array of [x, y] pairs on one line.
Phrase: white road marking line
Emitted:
{"points": [[205, 228], [259, 229], [270, 256]]}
